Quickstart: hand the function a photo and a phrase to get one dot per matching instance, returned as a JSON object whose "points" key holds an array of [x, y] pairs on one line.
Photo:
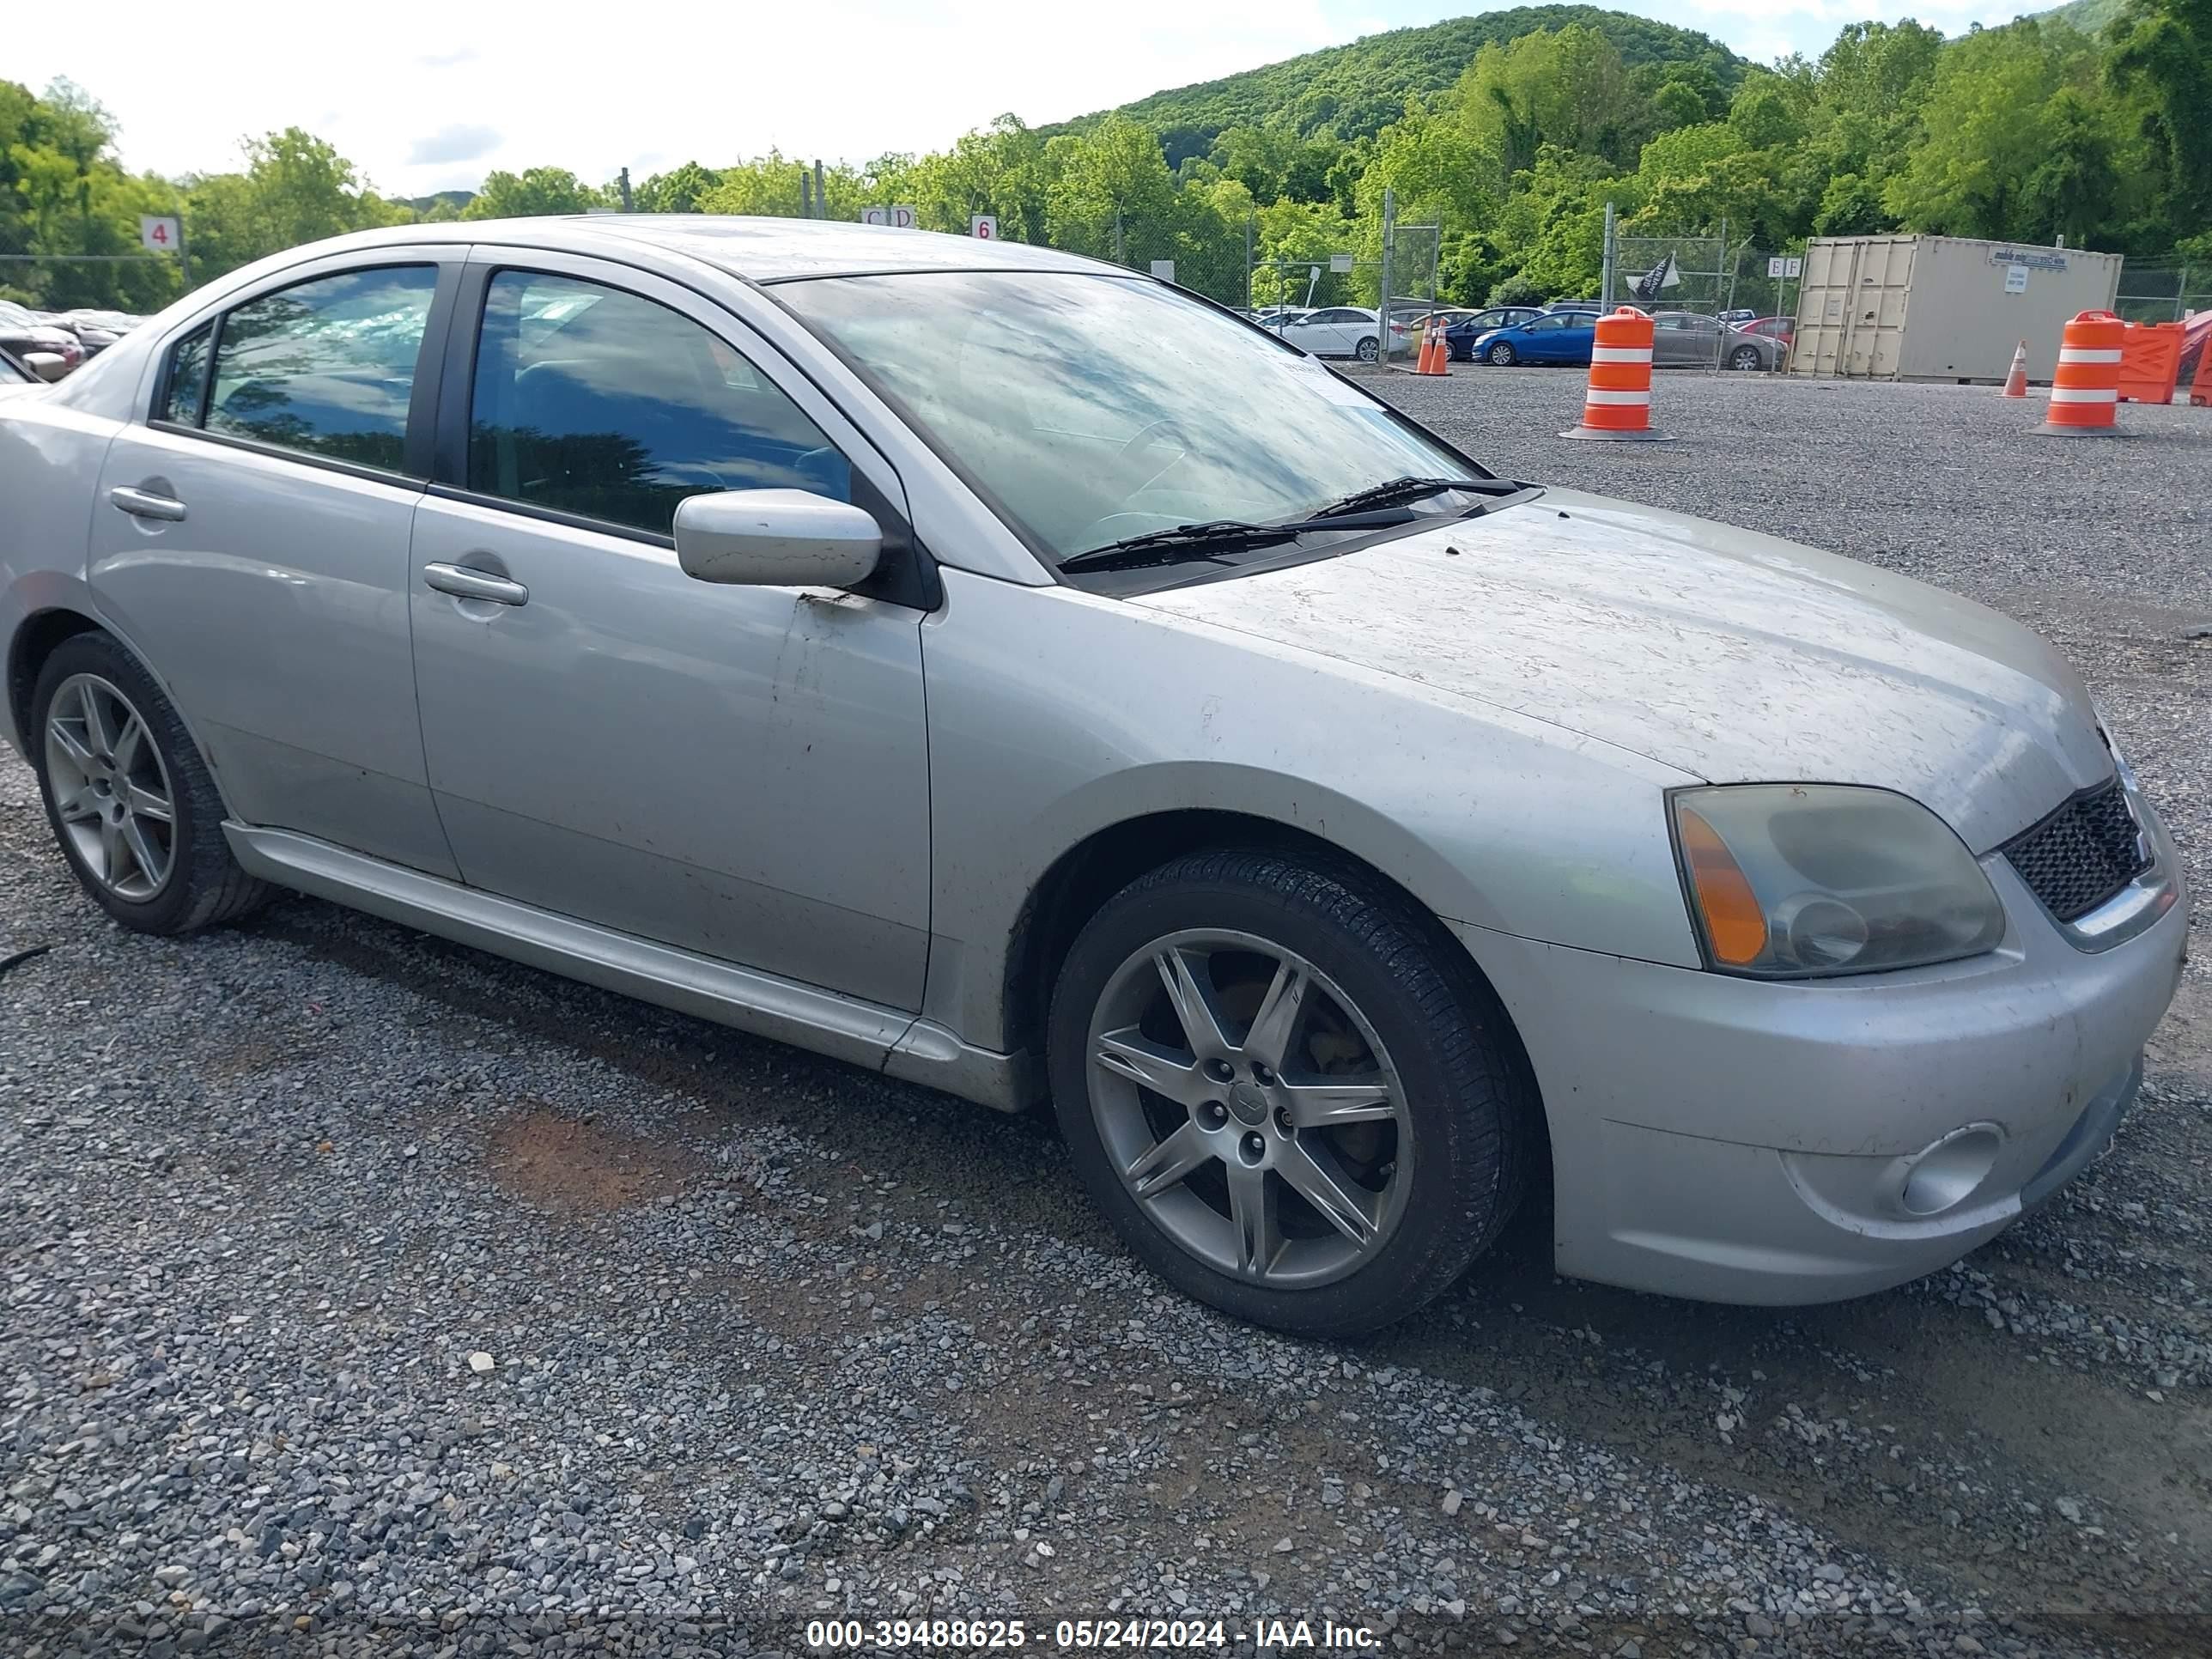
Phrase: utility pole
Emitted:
{"points": [[821, 196], [625, 190], [1605, 282], [805, 192], [1383, 310], [184, 260]]}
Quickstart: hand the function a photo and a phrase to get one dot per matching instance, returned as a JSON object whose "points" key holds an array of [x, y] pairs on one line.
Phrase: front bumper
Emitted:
{"points": [[1735, 1141]]}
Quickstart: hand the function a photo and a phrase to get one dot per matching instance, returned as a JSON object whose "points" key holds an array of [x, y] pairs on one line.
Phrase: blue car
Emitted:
{"points": [[1557, 337], [1464, 331]]}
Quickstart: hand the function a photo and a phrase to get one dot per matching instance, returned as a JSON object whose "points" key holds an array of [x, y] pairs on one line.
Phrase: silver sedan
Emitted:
{"points": [[1016, 675]]}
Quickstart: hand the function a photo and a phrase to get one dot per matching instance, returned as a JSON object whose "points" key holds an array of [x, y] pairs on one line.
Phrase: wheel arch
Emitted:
{"points": [[37, 638], [1080, 881], [43, 631]]}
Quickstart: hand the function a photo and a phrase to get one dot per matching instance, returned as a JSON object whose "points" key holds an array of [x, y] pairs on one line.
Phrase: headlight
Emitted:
{"points": [[1793, 881]]}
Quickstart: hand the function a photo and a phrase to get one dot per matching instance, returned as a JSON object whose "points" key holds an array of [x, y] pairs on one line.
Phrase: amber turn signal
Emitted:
{"points": [[1735, 924]]}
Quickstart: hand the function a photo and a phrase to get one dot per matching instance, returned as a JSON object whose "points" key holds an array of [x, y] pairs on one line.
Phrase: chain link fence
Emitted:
{"points": [[55, 272], [1333, 303], [2163, 293]]}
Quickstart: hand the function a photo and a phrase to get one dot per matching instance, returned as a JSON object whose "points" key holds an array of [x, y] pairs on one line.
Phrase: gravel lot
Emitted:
{"points": [[365, 1294]]}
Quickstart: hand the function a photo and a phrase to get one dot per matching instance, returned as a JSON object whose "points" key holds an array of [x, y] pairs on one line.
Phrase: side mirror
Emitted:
{"points": [[775, 538], [47, 365]]}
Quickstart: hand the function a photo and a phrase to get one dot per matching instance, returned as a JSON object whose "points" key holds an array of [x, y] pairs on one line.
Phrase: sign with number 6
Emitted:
{"points": [[984, 226], [160, 235]]}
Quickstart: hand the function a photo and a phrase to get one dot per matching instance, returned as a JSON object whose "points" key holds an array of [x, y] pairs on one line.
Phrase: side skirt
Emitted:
{"points": [[866, 1033]]}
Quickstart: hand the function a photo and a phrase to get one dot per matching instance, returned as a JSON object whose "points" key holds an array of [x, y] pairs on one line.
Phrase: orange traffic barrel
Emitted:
{"points": [[2085, 392], [1617, 401]]}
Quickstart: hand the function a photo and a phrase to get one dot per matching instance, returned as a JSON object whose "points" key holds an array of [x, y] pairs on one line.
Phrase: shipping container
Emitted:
{"points": [[1941, 308]]}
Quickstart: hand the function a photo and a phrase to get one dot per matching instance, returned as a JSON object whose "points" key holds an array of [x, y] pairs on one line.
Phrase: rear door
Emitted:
{"points": [[250, 540]]}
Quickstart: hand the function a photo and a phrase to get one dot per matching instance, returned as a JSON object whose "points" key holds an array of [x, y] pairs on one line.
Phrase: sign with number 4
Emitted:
{"points": [[159, 234]]}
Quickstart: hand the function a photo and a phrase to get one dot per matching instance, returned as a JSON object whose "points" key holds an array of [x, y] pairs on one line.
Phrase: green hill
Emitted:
{"points": [[2089, 16], [1352, 91]]}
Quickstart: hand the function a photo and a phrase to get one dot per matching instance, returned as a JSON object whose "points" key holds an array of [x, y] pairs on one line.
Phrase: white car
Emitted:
{"points": [[1335, 332]]}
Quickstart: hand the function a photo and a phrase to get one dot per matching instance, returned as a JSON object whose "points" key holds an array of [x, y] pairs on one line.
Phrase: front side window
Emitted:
{"points": [[595, 402], [326, 366], [1092, 407]]}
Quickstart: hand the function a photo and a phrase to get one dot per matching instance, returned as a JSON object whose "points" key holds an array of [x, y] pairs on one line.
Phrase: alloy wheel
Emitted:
{"points": [[1366, 350], [1745, 357], [1249, 1108], [1501, 354], [111, 790]]}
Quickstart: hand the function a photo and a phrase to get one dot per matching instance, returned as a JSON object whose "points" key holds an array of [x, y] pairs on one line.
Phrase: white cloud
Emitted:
{"points": [[593, 89]]}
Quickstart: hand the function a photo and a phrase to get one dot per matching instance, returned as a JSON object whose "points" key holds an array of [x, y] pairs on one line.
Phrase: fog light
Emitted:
{"points": [[1948, 1171]]}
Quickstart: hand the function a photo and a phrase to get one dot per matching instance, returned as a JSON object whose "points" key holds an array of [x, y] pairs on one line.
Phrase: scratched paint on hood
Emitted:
{"points": [[1735, 656]]}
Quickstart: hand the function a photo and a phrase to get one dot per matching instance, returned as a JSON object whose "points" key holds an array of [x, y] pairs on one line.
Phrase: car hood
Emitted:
{"points": [[1731, 656]]}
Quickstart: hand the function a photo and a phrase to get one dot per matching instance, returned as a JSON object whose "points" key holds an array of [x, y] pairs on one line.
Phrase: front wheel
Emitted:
{"points": [[1289, 1100], [1502, 354], [1744, 357], [1366, 349]]}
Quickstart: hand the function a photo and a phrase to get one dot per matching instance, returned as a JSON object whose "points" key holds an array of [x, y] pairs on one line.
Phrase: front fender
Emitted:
{"points": [[1055, 714]]}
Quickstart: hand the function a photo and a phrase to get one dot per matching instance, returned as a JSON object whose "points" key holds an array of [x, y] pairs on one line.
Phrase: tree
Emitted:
{"points": [[2072, 188], [2161, 50], [533, 193], [1986, 128], [679, 191], [1108, 181]]}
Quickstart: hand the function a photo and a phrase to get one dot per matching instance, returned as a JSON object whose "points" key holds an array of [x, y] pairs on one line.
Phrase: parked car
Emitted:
{"points": [[1689, 339], [1334, 332], [96, 330], [23, 332], [1782, 330], [1553, 337], [14, 372], [1461, 337], [1575, 304], [1737, 319], [746, 614]]}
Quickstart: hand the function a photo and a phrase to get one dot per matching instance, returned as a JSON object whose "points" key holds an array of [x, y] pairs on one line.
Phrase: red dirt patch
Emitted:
{"points": [[564, 1163]]}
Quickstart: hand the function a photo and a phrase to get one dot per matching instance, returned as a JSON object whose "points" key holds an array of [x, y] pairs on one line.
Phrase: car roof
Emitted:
{"points": [[761, 250]]}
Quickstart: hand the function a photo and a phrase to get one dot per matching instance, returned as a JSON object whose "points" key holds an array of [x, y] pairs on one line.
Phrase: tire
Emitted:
{"points": [[1745, 357], [149, 758], [1365, 350], [1502, 354], [1408, 1030]]}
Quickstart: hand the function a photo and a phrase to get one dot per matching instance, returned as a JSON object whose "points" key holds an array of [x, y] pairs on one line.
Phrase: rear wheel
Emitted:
{"points": [[131, 803], [1287, 1100], [1501, 353]]}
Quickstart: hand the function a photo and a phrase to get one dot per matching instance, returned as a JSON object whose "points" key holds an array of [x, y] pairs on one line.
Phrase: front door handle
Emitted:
{"points": [[145, 504], [465, 583]]}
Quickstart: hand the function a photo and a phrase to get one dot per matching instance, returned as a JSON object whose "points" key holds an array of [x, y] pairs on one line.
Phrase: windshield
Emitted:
{"points": [[1094, 409]]}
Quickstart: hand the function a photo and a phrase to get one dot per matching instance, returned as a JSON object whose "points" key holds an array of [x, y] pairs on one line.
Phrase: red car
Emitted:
{"points": [[1784, 329]]}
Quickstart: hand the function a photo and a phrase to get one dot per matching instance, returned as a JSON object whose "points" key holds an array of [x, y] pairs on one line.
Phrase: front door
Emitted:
{"points": [[250, 537], [739, 771]]}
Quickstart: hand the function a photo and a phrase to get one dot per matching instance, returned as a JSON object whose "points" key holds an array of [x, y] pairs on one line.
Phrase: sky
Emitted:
{"points": [[433, 96]]}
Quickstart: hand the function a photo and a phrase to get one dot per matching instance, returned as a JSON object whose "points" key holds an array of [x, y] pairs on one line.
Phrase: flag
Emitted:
{"points": [[1664, 275]]}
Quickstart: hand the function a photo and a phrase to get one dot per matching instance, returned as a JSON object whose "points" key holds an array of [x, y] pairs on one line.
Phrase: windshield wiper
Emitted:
{"points": [[1218, 536], [1395, 490]]}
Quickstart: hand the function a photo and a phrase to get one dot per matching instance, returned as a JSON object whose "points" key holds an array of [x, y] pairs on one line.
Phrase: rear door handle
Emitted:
{"points": [[145, 504], [465, 583]]}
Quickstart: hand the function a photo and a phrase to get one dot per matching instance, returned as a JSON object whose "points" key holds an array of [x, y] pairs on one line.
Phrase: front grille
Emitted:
{"points": [[2082, 854]]}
